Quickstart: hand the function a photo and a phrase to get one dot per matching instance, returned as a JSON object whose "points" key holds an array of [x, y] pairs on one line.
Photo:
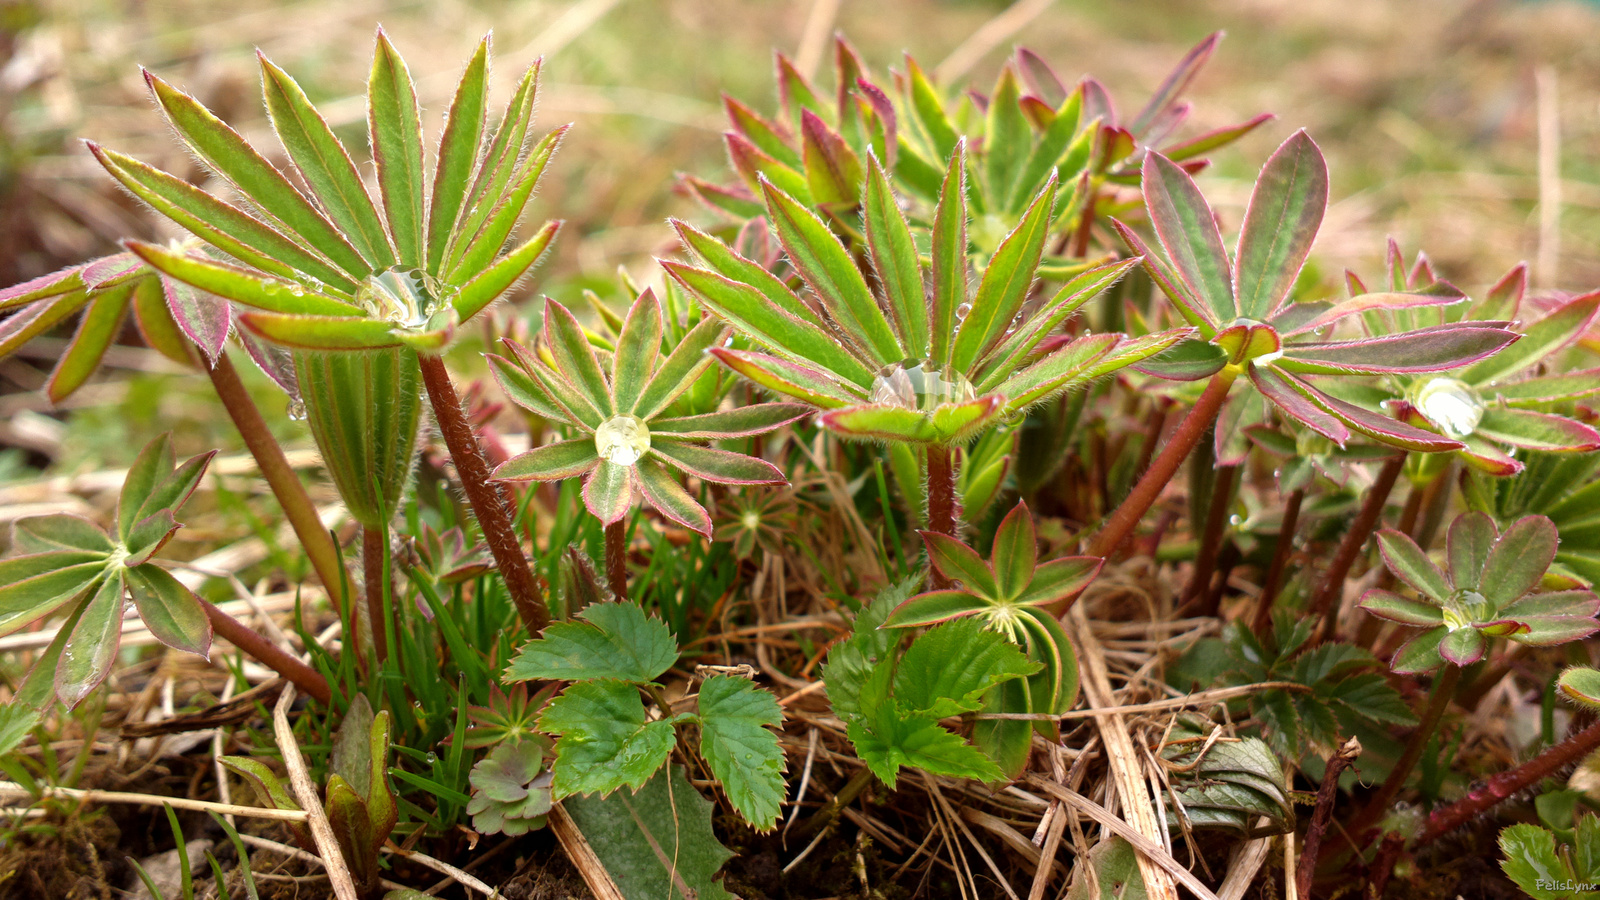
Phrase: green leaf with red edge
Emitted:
{"points": [[1548, 631], [1577, 603], [682, 367], [226, 227], [497, 167], [459, 144], [960, 563], [175, 487], [1467, 546], [723, 260], [744, 421], [1531, 430], [229, 154], [833, 170], [946, 424], [1003, 361], [949, 259], [574, 356], [754, 314], [241, 285], [1325, 315], [735, 201], [1487, 457], [827, 267], [1280, 224], [321, 332], [21, 327], [1276, 387], [550, 462], [1581, 684], [663, 492], [58, 531], [1187, 360], [479, 252], [608, 491], [1173, 86], [927, 111], [1410, 564], [1379, 427], [1389, 605], [57, 284], [603, 739], [1518, 560], [523, 389], [1005, 284], [1127, 351], [1463, 646], [1560, 328], [205, 319], [761, 131], [171, 611], [934, 607], [1421, 653], [787, 378], [324, 163], [1534, 392], [1426, 350], [1208, 141], [754, 166], [894, 259], [1054, 688], [1047, 154], [148, 536], [720, 466], [1187, 229], [97, 328], [1007, 139], [155, 324], [1059, 579], [1061, 369], [956, 422], [638, 349], [150, 469], [1188, 304], [91, 648], [1504, 300], [1015, 553], [491, 283]]}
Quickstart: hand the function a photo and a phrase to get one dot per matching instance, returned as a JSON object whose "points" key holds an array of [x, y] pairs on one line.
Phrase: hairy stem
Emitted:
{"points": [[285, 484], [1205, 563], [373, 583], [617, 558], [1513, 781], [1193, 427], [941, 490], [1327, 793], [1262, 623], [488, 503], [242, 636], [1444, 689], [1325, 603]]}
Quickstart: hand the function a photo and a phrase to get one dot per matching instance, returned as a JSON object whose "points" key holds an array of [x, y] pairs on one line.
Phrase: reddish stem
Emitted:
{"points": [[285, 484], [1444, 689], [1205, 563], [1332, 587], [1568, 752], [1189, 433], [941, 502], [1327, 793], [617, 558], [238, 634], [488, 503], [374, 578], [1280, 561]]}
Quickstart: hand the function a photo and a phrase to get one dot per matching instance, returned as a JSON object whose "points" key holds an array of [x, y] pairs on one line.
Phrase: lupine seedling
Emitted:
{"points": [[897, 362], [1012, 594], [629, 438]]}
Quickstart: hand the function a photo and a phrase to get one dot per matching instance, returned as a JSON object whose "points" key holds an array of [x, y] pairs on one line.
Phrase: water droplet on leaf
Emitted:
{"points": [[911, 384], [1450, 405], [621, 440]]}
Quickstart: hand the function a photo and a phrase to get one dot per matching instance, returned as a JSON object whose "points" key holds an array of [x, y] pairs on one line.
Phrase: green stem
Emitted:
{"points": [[825, 816], [617, 558], [1325, 604], [238, 634], [1444, 689], [285, 484], [1121, 522], [374, 576], [488, 503]]}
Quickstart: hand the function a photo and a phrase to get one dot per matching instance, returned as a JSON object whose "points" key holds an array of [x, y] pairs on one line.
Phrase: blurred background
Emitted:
{"points": [[1463, 128]]}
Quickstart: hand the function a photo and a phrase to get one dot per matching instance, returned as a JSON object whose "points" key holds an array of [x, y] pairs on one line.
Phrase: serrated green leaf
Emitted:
{"points": [[947, 669], [743, 754], [890, 742], [616, 640], [1532, 862], [603, 741], [851, 661]]}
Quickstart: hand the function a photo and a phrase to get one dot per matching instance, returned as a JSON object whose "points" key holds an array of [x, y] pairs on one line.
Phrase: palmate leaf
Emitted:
{"points": [[886, 742], [603, 741], [851, 661], [948, 668], [615, 640], [1188, 233], [1285, 211], [743, 755]]}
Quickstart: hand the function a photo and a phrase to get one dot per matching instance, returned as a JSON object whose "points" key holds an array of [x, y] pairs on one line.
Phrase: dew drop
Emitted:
{"points": [[962, 311], [1450, 405], [911, 384], [621, 440], [297, 409], [404, 296]]}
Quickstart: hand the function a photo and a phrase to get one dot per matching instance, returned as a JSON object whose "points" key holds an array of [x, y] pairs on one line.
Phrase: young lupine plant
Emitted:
{"points": [[629, 435], [65, 559], [1487, 590], [912, 354], [1247, 324], [1503, 404], [1013, 594], [367, 291]]}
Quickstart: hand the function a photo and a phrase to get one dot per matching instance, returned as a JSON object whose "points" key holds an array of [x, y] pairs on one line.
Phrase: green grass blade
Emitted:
{"points": [[396, 133]]}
